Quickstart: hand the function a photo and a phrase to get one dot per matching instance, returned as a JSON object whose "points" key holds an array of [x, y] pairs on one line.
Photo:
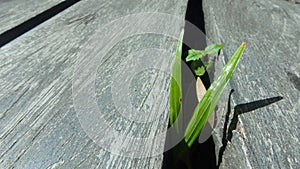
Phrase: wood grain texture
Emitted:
{"points": [[38, 121], [267, 137], [15, 12]]}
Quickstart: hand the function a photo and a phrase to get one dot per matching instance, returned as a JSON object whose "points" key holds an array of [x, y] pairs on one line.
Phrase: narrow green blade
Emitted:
{"points": [[211, 98], [175, 89]]}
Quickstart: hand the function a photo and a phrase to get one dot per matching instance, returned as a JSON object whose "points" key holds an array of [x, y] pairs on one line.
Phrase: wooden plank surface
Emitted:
{"points": [[38, 121], [267, 137], [15, 12]]}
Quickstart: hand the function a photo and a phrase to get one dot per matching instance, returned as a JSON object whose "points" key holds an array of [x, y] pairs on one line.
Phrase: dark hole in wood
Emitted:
{"points": [[199, 155], [24, 27]]}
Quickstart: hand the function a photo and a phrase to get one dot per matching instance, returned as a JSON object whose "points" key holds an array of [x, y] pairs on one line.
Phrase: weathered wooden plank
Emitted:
{"points": [[267, 137], [38, 121], [15, 12]]}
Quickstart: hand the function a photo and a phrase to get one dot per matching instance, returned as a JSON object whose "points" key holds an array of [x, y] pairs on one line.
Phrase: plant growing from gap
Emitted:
{"points": [[212, 96]]}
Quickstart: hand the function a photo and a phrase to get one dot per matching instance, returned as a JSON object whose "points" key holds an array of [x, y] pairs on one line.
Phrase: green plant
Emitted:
{"points": [[211, 98], [198, 65], [175, 88]]}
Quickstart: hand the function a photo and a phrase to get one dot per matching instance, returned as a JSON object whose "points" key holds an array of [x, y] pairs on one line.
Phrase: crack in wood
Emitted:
{"points": [[238, 110], [22, 28]]}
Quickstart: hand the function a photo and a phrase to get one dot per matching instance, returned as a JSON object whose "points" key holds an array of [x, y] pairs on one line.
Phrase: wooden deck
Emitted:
{"points": [[39, 124], [38, 121], [267, 137], [15, 12]]}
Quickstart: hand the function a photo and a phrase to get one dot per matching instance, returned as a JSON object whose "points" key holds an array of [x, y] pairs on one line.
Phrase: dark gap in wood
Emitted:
{"points": [[24, 27], [199, 155]]}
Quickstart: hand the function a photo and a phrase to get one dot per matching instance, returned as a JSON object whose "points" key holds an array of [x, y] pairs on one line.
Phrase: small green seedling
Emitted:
{"points": [[211, 98], [198, 65], [175, 89]]}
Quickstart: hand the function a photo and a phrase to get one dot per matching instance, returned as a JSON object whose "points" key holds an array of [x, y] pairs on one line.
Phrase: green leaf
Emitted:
{"points": [[195, 55], [175, 89], [199, 68], [211, 98], [214, 48], [200, 71]]}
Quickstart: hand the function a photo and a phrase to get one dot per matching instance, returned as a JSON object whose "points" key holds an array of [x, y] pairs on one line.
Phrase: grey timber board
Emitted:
{"points": [[267, 137], [15, 12], [38, 120]]}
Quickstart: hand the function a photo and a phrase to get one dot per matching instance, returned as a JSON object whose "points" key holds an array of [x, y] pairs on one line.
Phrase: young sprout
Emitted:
{"points": [[196, 56], [175, 89], [211, 98], [198, 67]]}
